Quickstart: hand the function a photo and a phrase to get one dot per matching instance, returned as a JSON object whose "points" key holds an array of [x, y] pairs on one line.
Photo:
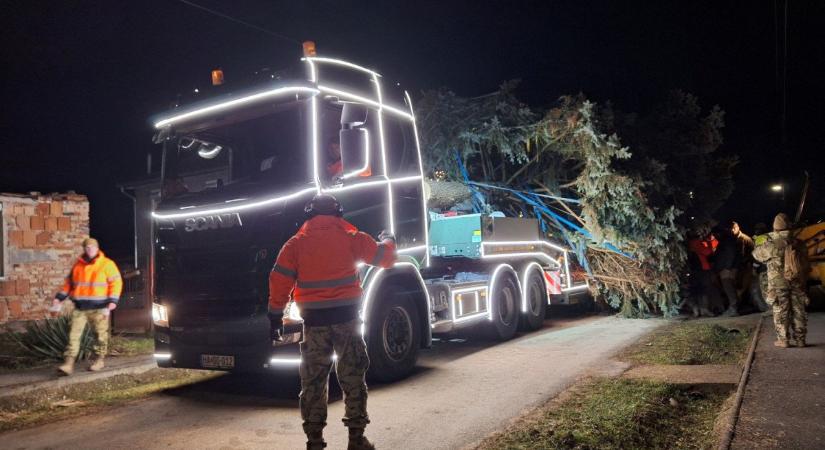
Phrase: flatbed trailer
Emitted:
{"points": [[237, 173]]}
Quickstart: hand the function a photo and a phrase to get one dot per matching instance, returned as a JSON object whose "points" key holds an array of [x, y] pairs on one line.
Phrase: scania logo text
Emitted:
{"points": [[228, 220]]}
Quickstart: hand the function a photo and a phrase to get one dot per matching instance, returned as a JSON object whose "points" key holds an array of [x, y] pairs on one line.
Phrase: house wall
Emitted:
{"points": [[41, 238]]}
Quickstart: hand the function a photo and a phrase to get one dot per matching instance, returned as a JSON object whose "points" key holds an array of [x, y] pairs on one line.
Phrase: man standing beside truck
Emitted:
{"points": [[94, 286], [318, 266]]}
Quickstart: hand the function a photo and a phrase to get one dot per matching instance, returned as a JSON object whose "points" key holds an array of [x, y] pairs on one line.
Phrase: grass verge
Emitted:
{"points": [[618, 413], [694, 342], [40, 407], [13, 358]]}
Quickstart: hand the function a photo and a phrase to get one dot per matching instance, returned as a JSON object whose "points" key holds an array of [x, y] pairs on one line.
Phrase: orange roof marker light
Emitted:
{"points": [[217, 77], [309, 49]]}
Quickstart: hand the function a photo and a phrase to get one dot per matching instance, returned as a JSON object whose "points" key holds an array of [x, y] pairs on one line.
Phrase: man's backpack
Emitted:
{"points": [[796, 260]]}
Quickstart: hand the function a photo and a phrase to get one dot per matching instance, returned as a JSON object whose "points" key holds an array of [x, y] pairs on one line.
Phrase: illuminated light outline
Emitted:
{"points": [[285, 361], [340, 62], [232, 208], [209, 154], [366, 157], [384, 150], [374, 281], [163, 356], [235, 102], [493, 279], [426, 216], [524, 283], [567, 270], [366, 100], [518, 254], [276, 199], [411, 249], [477, 290]]}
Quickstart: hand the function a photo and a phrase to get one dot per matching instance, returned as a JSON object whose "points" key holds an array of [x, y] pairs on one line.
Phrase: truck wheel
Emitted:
{"points": [[394, 338], [533, 318], [505, 304]]}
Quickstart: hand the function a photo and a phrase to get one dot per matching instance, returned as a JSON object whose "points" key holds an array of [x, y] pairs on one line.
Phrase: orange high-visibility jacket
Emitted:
{"points": [[92, 284], [318, 265]]}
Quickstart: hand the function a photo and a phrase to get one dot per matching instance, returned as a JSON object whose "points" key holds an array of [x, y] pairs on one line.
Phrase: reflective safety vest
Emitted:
{"points": [[92, 284], [318, 265]]}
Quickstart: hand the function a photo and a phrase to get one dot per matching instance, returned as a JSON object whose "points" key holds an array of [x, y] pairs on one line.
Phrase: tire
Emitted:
{"points": [[393, 339], [533, 318], [506, 305]]}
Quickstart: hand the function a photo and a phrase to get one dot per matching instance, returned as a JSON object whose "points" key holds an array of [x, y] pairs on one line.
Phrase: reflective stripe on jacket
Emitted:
{"points": [[318, 264], [92, 284]]}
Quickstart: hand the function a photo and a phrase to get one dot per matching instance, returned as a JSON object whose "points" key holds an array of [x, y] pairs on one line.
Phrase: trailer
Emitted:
{"points": [[237, 173]]}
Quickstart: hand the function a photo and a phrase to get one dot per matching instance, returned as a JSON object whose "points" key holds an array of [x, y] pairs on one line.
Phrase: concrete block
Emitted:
{"points": [[22, 222], [16, 238], [37, 223], [56, 208], [7, 288], [29, 239], [43, 238], [22, 286], [43, 209], [15, 308]]}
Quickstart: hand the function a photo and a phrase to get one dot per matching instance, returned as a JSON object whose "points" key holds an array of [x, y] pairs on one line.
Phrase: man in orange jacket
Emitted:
{"points": [[318, 267], [94, 286]]}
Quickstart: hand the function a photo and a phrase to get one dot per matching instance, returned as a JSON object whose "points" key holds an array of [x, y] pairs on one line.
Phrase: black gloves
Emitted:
{"points": [[385, 235], [276, 325]]}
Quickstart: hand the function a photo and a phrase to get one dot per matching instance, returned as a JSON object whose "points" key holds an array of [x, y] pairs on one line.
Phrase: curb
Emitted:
{"points": [[77, 379], [733, 415]]}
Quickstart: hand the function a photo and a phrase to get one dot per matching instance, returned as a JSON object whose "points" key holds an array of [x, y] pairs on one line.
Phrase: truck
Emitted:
{"points": [[237, 172]]}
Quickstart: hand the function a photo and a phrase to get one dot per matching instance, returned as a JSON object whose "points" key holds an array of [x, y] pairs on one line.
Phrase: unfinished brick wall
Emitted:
{"points": [[42, 236]]}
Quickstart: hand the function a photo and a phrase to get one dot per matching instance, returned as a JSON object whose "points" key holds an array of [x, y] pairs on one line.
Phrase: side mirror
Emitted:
{"points": [[354, 151], [353, 115]]}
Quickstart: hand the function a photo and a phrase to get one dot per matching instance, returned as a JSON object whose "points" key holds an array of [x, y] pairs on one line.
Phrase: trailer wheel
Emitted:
{"points": [[394, 338], [505, 303], [533, 318]]}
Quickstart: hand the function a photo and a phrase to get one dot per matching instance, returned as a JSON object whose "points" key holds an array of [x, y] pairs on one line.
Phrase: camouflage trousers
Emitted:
{"points": [[99, 320], [789, 302], [317, 349]]}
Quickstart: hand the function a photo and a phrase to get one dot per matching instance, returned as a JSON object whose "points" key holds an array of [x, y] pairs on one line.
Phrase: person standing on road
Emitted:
{"points": [[94, 286], [786, 293], [318, 266]]}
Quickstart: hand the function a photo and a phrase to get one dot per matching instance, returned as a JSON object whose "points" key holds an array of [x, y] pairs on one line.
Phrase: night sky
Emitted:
{"points": [[81, 78]]}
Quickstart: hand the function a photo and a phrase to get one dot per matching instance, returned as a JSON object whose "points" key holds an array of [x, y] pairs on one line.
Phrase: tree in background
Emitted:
{"points": [[628, 205]]}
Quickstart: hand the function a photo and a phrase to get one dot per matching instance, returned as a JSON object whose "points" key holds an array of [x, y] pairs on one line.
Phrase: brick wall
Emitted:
{"points": [[42, 239]]}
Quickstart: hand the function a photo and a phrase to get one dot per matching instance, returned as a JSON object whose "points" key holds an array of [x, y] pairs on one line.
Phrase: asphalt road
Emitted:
{"points": [[461, 392]]}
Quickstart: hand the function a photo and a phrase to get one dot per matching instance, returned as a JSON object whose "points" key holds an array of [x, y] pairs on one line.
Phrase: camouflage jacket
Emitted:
{"points": [[772, 253]]}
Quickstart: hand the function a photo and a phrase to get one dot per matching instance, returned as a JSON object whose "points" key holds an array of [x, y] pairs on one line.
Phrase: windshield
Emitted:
{"points": [[244, 157]]}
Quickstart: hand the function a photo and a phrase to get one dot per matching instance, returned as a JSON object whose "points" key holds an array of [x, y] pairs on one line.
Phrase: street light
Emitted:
{"points": [[777, 188]]}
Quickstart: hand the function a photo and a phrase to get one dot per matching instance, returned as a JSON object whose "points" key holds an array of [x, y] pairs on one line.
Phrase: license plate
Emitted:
{"points": [[217, 361]]}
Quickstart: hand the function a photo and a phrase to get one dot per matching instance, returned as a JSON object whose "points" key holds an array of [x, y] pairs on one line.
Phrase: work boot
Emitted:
{"points": [[781, 343], [67, 368], [799, 342], [315, 441], [97, 364], [357, 441]]}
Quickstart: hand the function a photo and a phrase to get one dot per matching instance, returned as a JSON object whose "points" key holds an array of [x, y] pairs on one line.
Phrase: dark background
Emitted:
{"points": [[81, 78]]}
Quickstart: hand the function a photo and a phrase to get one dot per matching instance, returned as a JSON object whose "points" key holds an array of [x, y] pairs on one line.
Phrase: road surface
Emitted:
{"points": [[461, 392]]}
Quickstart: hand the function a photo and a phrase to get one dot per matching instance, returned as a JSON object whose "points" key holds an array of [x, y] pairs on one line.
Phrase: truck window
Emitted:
{"points": [[257, 154], [402, 155]]}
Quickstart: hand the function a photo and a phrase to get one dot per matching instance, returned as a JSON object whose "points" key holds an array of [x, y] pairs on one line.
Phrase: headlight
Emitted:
{"points": [[160, 315]]}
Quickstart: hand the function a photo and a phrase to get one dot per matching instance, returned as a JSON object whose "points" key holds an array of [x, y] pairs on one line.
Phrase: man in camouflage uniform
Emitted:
{"points": [[317, 267], [787, 297]]}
